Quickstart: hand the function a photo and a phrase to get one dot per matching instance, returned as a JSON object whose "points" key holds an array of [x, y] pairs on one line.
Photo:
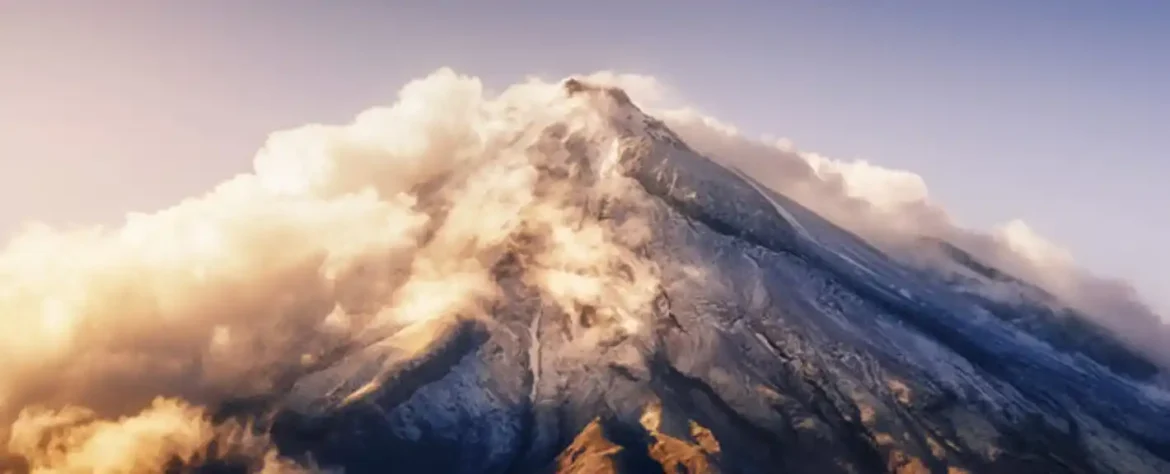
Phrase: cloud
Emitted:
{"points": [[343, 236], [1033, 247], [885, 189], [74, 440]]}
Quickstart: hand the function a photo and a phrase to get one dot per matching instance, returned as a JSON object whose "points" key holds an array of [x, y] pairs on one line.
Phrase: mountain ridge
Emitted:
{"points": [[651, 308], [855, 435]]}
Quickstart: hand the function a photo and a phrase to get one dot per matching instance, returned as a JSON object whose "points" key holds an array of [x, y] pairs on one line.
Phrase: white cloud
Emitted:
{"points": [[1035, 248], [886, 189], [392, 222]]}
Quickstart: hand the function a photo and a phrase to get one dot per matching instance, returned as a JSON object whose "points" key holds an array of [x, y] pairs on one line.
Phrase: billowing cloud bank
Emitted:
{"points": [[377, 233], [116, 343]]}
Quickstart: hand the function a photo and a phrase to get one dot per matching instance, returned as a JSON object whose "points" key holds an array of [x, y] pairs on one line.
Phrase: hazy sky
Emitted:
{"points": [[1056, 112]]}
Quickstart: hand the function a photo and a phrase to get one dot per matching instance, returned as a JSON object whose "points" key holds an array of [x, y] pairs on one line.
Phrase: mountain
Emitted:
{"points": [[731, 330], [1044, 317]]}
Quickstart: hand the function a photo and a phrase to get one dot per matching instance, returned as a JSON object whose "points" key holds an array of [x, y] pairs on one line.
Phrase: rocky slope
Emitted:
{"points": [[772, 341]]}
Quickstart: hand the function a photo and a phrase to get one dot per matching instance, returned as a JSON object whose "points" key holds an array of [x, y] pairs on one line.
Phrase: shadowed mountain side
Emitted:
{"points": [[767, 351], [731, 330]]}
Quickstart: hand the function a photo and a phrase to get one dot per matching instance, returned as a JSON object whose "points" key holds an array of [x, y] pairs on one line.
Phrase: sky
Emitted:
{"points": [[1053, 112]]}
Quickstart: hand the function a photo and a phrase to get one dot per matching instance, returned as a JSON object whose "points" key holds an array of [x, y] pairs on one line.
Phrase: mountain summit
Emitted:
{"points": [[581, 291], [756, 341]]}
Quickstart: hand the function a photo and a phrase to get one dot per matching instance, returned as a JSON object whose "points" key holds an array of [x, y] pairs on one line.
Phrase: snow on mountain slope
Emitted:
{"points": [[553, 281], [807, 355]]}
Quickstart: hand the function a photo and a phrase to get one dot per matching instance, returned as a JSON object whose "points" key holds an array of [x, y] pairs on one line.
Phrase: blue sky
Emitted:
{"points": [[1055, 112]]}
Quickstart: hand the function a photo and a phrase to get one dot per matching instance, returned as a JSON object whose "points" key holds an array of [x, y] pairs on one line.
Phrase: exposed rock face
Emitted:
{"points": [[595, 449], [777, 343]]}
